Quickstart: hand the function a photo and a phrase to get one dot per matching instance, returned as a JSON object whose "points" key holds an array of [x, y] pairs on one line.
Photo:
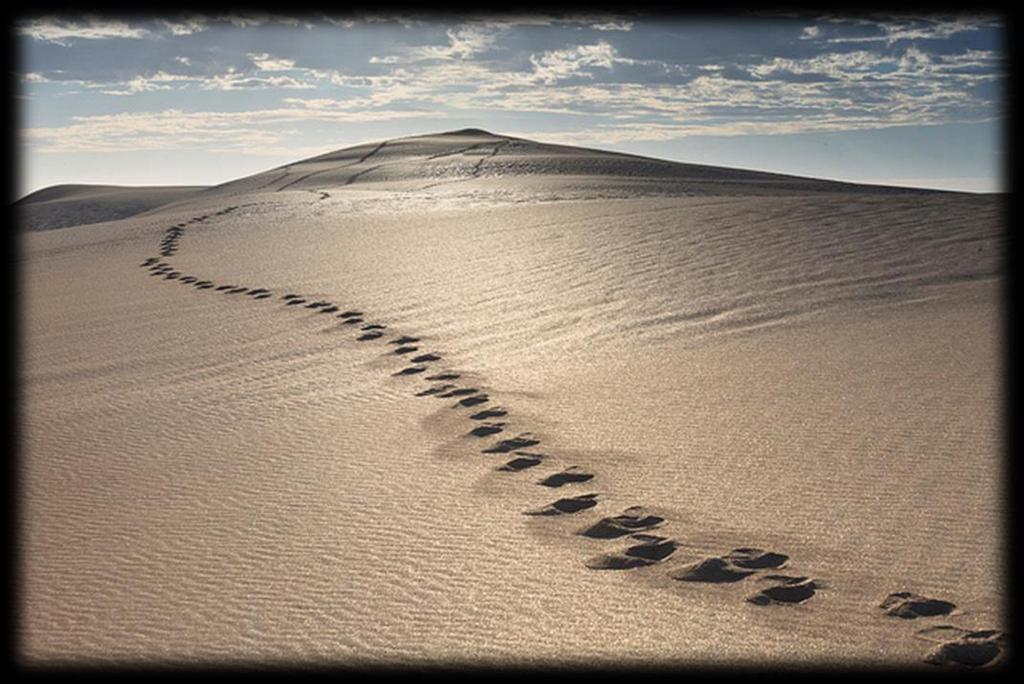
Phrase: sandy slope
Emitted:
{"points": [[60, 206], [807, 368]]}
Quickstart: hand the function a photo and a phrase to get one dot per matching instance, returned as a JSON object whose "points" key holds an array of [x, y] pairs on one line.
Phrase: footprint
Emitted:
{"points": [[291, 296], [756, 559], [571, 474], [223, 287], [461, 392], [352, 321], [238, 290], [329, 309], [404, 350], [489, 413], [317, 305], [473, 401], [412, 370], [350, 314], [404, 339], [970, 649], [650, 551], [790, 589], [262, 296], [507, 445], [433, 390], [907, 605], [207, 286], [716, 570], [369, 336], [293, 302], [487, 430], [189, 279], [633, 519], [567, 506], [374, 326], [522, 461], [423, 358], [443, 376]]}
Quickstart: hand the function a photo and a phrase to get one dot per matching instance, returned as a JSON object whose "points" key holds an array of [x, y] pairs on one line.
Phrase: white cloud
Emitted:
{"points": [[560, 64], [174, 129], [234, 80], [613, 26], [463, 42], [186, 26], [60, 31], [265, 62]]}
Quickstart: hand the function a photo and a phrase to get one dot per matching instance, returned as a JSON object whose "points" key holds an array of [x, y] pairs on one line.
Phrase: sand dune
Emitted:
{"points": [[433, 399], [60, 206]]}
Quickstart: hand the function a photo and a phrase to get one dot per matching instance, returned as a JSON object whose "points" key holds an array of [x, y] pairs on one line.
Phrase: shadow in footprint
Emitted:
{"points": [[473, 401], [650, 551], [715, 570], [293, 302], [567, 506], [964, 648], [788, 590], [487, 430], [907, 605], [443, 376], [423, 358], [633, 519], [522, 461], [369, 336], [513, 444], [461, 392], [756, 559], [489, 413], [413, 370], [404, 350], [350, 314], [404, 339], [374, 326], [432, 390], [570, 475]]}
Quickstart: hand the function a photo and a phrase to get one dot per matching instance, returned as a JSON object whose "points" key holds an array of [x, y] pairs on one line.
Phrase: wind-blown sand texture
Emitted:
{"points": [[467, 398]]}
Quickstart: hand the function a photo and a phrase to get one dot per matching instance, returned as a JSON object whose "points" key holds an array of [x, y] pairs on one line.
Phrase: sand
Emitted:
{"points": [[60, 206], [798, 384]]}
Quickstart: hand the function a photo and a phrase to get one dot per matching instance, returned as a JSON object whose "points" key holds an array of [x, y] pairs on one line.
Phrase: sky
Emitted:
{"points": [[199, 100]]}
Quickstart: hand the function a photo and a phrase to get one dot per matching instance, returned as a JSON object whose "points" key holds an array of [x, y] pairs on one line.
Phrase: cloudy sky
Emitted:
{"points": [[203, 99]]}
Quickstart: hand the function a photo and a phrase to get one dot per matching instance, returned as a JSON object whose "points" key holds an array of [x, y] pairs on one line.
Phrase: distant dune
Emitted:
{"points": [[59, 206], [433, 161], [471, 399]]}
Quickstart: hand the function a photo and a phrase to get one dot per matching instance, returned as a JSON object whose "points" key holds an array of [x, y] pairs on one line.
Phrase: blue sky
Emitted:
{"points": [[188, 99]]}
